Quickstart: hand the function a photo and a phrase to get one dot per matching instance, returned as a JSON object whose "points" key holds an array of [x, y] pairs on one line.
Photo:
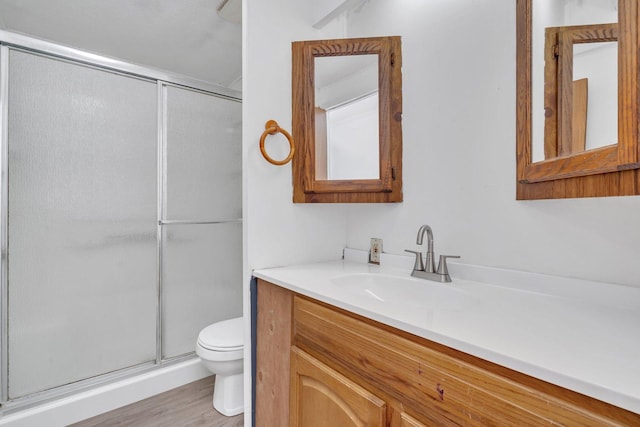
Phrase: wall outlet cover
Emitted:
{"points": [[375, 250]]}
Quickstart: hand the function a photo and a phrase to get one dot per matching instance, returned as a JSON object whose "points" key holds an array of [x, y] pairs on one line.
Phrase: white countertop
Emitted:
{"points": [[581, 335]]}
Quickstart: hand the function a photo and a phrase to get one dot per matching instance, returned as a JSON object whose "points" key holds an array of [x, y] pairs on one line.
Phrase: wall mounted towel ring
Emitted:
{"points": [[271, 128]]}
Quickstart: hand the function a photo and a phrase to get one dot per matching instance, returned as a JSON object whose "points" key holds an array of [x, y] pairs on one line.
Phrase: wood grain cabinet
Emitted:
{"points": [[312, 182], [345, 370], [321, 397], [408, 421]]}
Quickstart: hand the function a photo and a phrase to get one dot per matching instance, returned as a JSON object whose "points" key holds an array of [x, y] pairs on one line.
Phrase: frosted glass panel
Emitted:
{"points": [[204, 156], [202, 281], [82, 222]]}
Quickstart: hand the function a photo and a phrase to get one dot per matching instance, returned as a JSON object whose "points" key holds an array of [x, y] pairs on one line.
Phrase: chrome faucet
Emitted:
{"points": [[428, 269]]}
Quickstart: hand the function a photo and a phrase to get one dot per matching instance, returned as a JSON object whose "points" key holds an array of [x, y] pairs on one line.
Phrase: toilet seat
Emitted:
{"points": [[219, 356], [224, 336]]}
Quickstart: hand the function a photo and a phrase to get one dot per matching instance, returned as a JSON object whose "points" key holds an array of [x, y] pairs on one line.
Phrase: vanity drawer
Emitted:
{"points": [[436, 384]]}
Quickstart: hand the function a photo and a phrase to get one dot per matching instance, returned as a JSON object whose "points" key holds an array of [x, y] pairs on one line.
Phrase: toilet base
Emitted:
{"points": [[228, 394]]}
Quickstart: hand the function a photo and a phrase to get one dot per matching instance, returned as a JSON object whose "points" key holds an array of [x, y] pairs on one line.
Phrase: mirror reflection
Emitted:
{"points": [[347, 117], [599, 100], [574, 76]]}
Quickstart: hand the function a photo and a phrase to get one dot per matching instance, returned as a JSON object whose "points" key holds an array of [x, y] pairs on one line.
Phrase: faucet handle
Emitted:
{"points": [[417, 265], [442, 263]]}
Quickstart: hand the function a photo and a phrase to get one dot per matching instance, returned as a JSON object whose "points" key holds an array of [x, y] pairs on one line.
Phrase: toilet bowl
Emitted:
{"points": [[221, 348]]}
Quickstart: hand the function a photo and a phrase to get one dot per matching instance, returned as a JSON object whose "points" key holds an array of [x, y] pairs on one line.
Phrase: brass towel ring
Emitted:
{"points": [[271, 128]]}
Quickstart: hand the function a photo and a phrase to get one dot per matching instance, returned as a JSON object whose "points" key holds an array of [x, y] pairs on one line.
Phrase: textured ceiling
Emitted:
{"points": [[181, 36]]}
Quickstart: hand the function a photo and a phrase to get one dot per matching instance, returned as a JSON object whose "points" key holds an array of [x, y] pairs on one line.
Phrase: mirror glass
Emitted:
{"points": [[347, 117], [596, 64], [593, 74]]}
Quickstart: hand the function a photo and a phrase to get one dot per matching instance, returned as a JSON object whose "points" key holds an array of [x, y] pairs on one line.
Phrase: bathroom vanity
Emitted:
{"points": [[350, 344]]}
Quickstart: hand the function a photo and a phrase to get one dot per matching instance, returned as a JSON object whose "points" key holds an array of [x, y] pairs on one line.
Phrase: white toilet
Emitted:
{"points": [[220, 347]]}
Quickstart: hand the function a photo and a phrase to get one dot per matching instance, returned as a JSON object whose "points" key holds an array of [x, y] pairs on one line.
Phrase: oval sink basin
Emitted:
{"points": [[404, 291]]}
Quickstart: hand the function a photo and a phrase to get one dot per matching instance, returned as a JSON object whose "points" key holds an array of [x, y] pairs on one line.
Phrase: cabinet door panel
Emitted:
{"points": [[409, 421], [321, 397]]}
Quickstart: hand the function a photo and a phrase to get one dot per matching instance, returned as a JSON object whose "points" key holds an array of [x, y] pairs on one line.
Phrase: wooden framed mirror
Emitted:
{"points": [[555, 158], [347, 120]]}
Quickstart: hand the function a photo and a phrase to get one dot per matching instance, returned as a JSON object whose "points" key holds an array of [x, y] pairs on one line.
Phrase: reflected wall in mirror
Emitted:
{"points": [[577, 105], [574, 48], [346, 105], [347, 111]]}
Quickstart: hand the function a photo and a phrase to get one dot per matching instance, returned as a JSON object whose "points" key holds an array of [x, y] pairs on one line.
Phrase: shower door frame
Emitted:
{"points": [[11, 41]]}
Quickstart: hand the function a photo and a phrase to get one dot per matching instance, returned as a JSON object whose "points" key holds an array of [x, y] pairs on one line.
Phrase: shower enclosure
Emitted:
{"points": [[120, 218]]}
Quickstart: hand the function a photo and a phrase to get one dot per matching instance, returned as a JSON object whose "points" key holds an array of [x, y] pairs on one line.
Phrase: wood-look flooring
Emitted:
{"points": [[189, 405]]}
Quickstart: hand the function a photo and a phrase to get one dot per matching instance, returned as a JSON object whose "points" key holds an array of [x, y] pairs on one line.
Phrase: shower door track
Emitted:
{"points": [[49, 395], [78, 56], [11, 41]]}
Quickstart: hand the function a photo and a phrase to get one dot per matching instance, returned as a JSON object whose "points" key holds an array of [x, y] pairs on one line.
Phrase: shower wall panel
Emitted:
{"points": [[82, 222]]}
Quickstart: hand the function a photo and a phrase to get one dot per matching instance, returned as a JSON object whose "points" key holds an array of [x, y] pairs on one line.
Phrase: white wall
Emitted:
{"points": [[459, 154], [277, 232]]}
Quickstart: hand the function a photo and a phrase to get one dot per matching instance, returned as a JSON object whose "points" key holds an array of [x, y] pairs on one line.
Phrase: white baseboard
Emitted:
{"points": [[87, 404]]}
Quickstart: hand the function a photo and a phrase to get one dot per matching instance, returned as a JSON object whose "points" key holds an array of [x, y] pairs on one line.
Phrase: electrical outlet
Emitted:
{"points": [[375, 250]]}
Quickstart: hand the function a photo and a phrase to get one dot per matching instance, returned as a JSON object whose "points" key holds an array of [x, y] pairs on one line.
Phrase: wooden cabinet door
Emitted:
{"points": [[321, 397], [408, 421]]}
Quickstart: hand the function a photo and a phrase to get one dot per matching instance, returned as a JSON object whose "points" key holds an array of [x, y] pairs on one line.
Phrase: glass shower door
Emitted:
{"points": [[202, 211], [82, 222]]}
